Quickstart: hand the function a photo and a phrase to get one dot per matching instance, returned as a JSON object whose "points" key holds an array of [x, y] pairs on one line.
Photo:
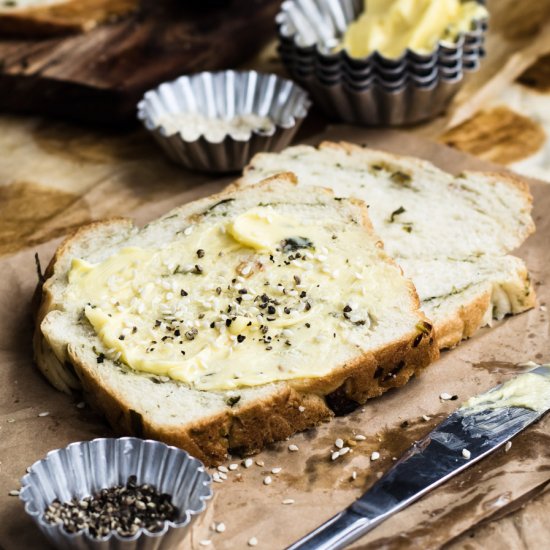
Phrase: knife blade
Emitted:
{"points": [[462, 439]]}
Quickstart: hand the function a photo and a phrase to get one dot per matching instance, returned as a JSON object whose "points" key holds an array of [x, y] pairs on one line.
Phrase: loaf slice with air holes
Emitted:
{"points": [[40, 18], [450, 234], [232, 321]]}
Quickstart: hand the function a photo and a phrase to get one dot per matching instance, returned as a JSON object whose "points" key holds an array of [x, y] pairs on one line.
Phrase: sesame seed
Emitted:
{"points": [[466, 454], [276, 470], [222, 469], [205, 542], [375, 455], [344, 451], [288, 501], [188, 230], [445, 396], [334, 455], [360, 437], [267, 480], [233, 467], [301, 409], [223, 476], [216, 478], [543, 308], [80, 405], [13, 493], [354, 475], [339, 443], [220, 527], [425, 417], [45, 413], [508, 446], [248, 462], [293, 448], [260, 463], [253, 541]]}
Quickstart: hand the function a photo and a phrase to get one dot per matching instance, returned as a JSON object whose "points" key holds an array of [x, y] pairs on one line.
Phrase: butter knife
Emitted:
{"points": [[476, 429]]}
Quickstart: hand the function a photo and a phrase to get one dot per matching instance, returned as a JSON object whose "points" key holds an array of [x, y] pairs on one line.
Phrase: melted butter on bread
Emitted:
{"points": [[238, 302]]}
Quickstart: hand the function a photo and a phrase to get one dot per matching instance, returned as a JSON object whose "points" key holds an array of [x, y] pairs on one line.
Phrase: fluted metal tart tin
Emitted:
{"points": [[374, 90], [220, 95], [85, 467]]}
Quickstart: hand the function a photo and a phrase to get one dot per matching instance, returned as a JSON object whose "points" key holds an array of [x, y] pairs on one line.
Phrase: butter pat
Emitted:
{"points": [[263, 229], [529, 390], [392, 26]]}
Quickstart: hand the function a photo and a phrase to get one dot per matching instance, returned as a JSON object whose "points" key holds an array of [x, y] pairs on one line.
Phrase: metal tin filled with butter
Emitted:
{"points": [[354, 89]]}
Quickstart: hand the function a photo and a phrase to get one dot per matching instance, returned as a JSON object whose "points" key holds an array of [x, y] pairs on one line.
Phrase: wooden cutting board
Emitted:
{"points": [[99, 76]]}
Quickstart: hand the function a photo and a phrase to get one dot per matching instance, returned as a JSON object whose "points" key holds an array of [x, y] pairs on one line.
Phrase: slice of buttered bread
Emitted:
{"points": [[233, 321], [38, 18], [450, 234]]}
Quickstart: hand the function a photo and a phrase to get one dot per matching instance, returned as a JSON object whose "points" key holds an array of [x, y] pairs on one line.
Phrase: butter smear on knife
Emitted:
{"points": [[529, 390]]}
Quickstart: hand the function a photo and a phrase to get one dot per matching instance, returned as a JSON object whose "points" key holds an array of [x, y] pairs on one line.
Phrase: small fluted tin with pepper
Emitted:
{"points": [[111, 494]]}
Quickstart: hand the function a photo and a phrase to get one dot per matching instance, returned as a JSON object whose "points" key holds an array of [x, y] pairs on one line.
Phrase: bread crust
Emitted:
{"points": [[68, 17], [293, 406]]}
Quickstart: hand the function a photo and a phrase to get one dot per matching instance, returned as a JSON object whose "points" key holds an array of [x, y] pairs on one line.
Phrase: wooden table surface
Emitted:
{"points": [[55, 176]]}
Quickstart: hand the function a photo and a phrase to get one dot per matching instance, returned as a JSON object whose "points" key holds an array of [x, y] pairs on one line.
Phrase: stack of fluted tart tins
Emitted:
{"points": [[373, 90]]}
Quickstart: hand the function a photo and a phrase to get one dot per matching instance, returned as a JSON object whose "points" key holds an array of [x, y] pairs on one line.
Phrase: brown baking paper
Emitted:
{"points": [[318, 486]]}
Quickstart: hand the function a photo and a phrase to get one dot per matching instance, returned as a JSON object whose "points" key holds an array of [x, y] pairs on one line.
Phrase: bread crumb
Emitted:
{"points": [[425, 417], [267, 480], [508, 446], [220, 527], [353, 475], [301, 408], [253, 541], [466, 454], [375, 455], [260, 463]]}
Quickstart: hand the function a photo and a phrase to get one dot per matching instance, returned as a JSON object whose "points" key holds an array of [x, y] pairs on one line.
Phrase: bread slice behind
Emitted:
{"points": [[450, 234]]}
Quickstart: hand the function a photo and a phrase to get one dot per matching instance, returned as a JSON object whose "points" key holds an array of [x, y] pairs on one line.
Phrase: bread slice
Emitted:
{"points": [[450, 234], [297, 365], [40, 18]]}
